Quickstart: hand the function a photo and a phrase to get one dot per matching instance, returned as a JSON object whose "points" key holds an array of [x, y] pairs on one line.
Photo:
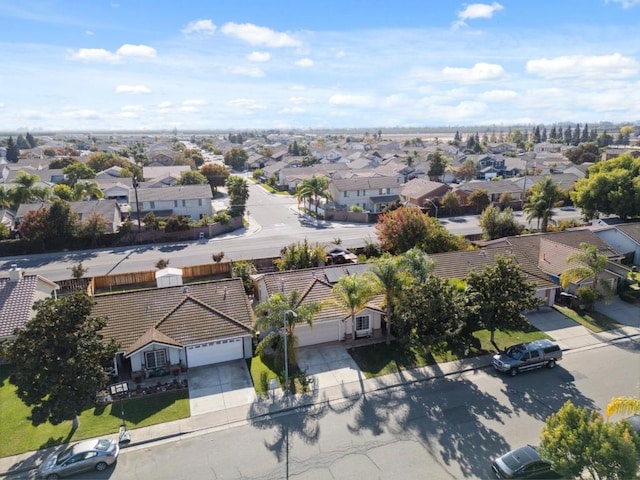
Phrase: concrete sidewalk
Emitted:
{"points": [[331, 391]]}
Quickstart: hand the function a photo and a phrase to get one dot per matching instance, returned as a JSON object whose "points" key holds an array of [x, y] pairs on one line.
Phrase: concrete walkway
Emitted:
{"points": [[336, 379]]}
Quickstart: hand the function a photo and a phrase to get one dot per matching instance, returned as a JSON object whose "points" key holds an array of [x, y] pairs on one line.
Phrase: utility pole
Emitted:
{"points": [[286, 347]]}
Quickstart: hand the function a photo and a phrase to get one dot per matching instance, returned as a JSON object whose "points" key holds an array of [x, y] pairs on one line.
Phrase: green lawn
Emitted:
{"points": [[380, 359], [594, 321], [19, 435], [262, 370]]}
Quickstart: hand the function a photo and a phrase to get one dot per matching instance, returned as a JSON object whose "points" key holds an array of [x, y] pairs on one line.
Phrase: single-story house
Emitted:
{"points": [[183, 325], [18, 293], [107, 209]]}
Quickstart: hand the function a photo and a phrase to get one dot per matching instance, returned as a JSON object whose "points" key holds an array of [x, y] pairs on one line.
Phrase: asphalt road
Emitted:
{"points": [[275, 222], [440, 429]]}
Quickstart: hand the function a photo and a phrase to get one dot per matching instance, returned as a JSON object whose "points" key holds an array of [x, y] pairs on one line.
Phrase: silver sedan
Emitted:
{"points": [[96, 454]]}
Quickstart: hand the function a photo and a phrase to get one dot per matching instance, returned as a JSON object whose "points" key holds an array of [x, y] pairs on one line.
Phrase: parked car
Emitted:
{"points": [[524, 462], [95, 454], [527, 356]]}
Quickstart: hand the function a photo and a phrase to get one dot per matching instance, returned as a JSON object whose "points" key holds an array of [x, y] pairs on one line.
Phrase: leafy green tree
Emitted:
{"points": [[584, 153], [387, 275], [351, 293], [543, 197], [416, 264], [4, 231], [407, 227], [297, 256], [238, 191], [63, 192], [215, 174], [162, 263], [5, 197], [192, 177], [236, 158], [61, 163], [78, 171], [498, 294], [451, 202], [13, 151], [437, 164], [33, 226], [498, 224], [505, 200], [313, 189], [93, 228], [479, 199], [588, 263], [78, 270], [611, 187], [576, 440], [63, 378], [177, 223], [431, 310], [244, 269], [270, 317]]}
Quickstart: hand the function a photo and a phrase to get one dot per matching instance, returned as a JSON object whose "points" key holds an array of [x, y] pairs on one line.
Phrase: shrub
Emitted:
{"points": [[222, 217], [587, 296]]}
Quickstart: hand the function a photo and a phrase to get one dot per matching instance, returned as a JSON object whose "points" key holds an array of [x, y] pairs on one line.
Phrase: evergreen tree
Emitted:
{"points": [[560, 137], [32, 141], [553, 135], [536, 135], [576, 135], [22, 143], [13, 152], [585, 134], [568, 139]]}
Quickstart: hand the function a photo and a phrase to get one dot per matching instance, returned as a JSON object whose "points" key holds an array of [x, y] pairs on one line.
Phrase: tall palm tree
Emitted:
{"points": [[313, 189], [83, 189], [623, 405], [5, 197], [270, 317], [387, 276], [545, 196], [351, 293], [592, 264]]}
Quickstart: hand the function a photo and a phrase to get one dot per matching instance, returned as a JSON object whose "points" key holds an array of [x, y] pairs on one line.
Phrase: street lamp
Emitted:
{"points": [[135, 190], [432, 203], [286, 348], [120, 389]]}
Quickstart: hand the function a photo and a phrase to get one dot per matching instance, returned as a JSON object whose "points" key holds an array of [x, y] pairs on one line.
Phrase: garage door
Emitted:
{"points": [[214, 352], [319, 333]]}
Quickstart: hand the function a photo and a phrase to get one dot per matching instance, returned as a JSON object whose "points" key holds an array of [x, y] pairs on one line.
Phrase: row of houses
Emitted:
{"points": [[212, 322]]}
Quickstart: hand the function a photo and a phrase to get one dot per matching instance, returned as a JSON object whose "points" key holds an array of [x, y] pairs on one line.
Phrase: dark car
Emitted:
{"points": [[524, 462], [86, 455]]}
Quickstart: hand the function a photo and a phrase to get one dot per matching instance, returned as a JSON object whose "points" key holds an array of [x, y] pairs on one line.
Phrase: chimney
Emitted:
{"points": [[225, 293], [15, 274]]}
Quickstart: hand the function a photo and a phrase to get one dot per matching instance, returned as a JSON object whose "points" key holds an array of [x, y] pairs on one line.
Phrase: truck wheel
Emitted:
{"points": [[551, 364], [513, 372]]}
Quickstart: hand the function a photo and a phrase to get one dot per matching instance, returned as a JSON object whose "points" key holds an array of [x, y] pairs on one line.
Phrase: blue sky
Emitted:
{"points": [[153, 64]]}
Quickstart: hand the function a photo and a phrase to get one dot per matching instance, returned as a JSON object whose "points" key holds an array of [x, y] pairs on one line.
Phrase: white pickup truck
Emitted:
{"points": [[527, 356]]}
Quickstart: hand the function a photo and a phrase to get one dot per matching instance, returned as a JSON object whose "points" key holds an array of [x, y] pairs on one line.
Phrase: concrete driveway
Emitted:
{"points": [[329, 364], [219, 387], [620, 311], [567, 333]]}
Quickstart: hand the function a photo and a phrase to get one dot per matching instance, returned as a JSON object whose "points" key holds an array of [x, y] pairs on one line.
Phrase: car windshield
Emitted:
{"points": [[64, 455], [515, 352]]}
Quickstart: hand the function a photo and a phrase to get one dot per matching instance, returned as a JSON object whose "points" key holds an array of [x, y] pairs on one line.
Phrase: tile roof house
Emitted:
{"points": [[108, 209], [624, 238], [18, 293], [315, 285], [373, 194], [192, 325], [418, 190], [190, 200]]}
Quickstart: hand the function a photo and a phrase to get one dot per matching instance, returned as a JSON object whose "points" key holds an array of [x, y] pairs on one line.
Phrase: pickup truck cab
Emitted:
{"points": [[527, 356]]}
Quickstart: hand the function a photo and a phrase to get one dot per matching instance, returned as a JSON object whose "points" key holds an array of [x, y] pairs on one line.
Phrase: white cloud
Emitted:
{"points": [[194, 102], [84, 113], [132, 89], [139, 51], [305, 62], [1, 105], [476, 10], [292, 110], [480, 72], [340, 54], [94, 55], [246, 103], [625, 3], [132, 108], [609, 66], [100, 55], [255, 35], [350, 100], [165, 104], [248, 71], [301, 100], [202, 27], [259, 57]]}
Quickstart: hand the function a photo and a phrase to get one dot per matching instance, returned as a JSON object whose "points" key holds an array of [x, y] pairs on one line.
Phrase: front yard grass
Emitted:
{"points": [[19, 435], [594, 321], [381, 359]]}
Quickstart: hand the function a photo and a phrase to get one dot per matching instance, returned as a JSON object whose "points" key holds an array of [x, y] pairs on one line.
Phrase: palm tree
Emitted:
{"points": [[351, 293], [592, 264], [417, 264], [22, 192], [544, 197], [622, 405], [270, 317], [387, 276], [313, 189], [5, 197], [84, 189]]}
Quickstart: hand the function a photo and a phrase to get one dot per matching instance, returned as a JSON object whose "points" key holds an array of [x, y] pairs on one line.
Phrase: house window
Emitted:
{"points": [[156, 358], [184, 203], [199, 202], [152, 205], [346, 194], [362, 323], [175, 204]]}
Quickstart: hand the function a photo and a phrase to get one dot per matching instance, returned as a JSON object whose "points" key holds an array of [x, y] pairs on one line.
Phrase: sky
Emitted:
{"points": [[119, 65]]}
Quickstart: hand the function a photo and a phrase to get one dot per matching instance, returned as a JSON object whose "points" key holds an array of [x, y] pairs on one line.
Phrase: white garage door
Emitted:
{"points": [[319, 333], [214, 352]]}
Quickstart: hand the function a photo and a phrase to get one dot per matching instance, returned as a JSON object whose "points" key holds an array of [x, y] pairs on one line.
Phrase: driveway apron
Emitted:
{"points": [[330, 365], [218, 387]]}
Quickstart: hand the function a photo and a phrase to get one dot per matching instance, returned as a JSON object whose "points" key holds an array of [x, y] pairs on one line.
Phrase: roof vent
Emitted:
{"points": [[16, 273], [185, 289], [225, 293]]}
